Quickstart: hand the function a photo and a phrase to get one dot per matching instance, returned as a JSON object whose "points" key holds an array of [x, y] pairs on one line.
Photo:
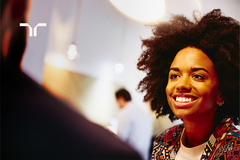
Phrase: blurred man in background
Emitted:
{"points": [[134, 125], [35, 124]]}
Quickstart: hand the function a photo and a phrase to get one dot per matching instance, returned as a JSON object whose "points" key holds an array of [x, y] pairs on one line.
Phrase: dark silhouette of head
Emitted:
{"points": [[123, 93], [123, 97], [13, 37]]}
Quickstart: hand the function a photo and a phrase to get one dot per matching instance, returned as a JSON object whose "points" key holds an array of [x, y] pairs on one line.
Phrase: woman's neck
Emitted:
{"points": [[199, 131]]}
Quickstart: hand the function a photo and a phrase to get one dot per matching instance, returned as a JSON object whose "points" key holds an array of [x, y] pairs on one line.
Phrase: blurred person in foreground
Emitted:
{"points": [[35, 124], [192, 73], [134, 124]]}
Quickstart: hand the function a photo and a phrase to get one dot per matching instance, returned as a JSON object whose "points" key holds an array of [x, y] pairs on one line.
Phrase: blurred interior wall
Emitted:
{"points": [[93, 97]]}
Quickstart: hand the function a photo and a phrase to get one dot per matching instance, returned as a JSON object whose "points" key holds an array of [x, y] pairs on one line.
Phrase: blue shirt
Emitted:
{"points": [[135, 128]]}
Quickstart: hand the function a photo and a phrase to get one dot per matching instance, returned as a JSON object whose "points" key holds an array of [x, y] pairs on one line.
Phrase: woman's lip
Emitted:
{"points": [[183, 104]]}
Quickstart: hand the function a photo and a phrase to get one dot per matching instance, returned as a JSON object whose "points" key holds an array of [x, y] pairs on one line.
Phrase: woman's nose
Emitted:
{"points": [[184, 84]]}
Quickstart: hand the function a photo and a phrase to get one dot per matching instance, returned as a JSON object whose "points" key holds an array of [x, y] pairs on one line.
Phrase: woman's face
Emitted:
{"points": [[192, 89]]}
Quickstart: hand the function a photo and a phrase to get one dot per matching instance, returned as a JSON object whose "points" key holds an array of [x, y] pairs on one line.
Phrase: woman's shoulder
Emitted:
{"points": [[233, 133], [170, 134], [231, 137], [227, 130], [228, 144]]}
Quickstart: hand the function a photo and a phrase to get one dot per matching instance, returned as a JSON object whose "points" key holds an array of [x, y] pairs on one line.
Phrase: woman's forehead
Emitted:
{"points": [[192, 57]]}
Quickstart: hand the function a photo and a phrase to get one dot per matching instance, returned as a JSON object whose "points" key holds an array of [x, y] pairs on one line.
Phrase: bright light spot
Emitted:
{"points": [[56, 60], [72, 51], [118, 68], [142, 10]]}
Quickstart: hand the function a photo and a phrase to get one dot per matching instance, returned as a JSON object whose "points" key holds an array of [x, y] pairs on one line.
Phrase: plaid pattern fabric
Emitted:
{"points": [[223, 144]]}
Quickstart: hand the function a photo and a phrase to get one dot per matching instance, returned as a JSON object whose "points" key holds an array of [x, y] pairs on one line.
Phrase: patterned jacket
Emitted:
{"points": [[224, 143]]}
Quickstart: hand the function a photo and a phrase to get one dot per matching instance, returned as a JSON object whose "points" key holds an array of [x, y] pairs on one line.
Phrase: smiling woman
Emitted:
{"points": [[192, 88], [193, 74]]}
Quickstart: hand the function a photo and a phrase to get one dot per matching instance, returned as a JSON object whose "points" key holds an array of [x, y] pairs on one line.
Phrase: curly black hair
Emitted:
{"points": [[215, 34]]}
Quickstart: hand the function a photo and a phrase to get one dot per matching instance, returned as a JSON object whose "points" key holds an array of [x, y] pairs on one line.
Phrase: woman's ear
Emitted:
{"points": [[220, 99]]}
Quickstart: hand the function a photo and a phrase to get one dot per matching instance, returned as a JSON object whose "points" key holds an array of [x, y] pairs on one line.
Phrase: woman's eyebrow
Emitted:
{"points": [[192, 69], [197, 69], [174, 68]]}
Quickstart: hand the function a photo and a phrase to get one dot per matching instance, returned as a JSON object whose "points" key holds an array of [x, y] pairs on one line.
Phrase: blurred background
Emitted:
{"points": [[90, 48]]}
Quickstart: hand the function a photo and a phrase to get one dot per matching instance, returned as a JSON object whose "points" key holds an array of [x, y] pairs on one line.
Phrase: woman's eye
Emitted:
{"points": [[173, 76], [198, 77]]}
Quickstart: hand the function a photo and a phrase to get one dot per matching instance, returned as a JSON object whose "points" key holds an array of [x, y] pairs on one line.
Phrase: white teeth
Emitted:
{"points": [[183, 99]]}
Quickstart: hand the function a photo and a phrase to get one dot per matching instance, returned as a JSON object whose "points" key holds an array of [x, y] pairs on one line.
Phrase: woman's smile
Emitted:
{"points": [[184, 100], [183, 104]]}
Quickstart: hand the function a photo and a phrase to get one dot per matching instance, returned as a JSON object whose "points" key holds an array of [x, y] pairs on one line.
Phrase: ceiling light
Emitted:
{"points": [[119, 68], [142, 10], [72, 51]]}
